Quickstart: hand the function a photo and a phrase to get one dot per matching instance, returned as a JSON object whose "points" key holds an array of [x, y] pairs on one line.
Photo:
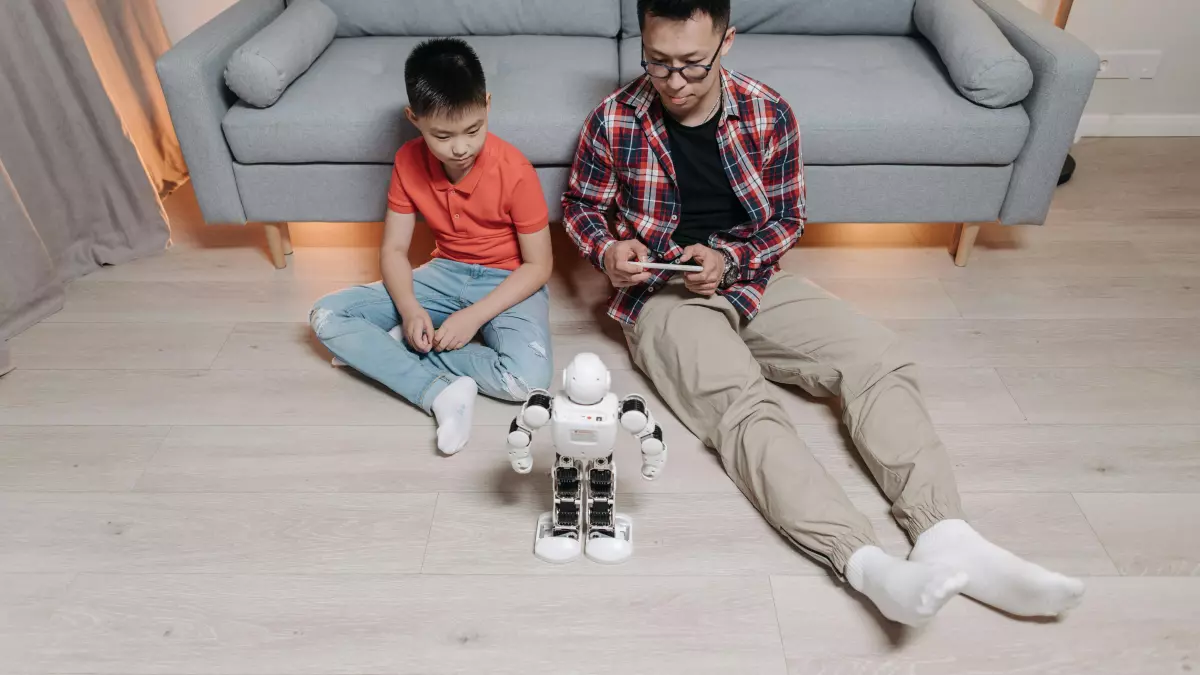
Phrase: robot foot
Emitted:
{"points": [[612, 550], [552, 549]]}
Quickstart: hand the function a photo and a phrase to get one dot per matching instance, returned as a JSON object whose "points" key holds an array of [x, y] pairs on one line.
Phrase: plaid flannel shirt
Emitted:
{"points": [[624, 158]]}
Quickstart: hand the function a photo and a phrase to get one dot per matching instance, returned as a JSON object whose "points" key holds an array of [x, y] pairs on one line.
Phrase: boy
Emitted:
{"points": [[484, 204]]}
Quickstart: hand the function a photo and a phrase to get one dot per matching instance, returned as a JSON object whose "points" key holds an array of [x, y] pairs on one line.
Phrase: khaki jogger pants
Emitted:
{"points": [[711, 367]]}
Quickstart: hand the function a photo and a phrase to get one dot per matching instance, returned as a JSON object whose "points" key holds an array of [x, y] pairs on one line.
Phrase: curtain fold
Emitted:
{"points": [[125, 39], [75, 194]]}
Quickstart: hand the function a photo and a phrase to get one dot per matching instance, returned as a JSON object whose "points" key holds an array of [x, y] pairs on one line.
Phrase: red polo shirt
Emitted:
{"points": [[475, 221]]}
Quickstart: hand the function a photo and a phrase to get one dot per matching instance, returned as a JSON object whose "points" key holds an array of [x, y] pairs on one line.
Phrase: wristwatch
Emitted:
{"points": [[730, 275]]}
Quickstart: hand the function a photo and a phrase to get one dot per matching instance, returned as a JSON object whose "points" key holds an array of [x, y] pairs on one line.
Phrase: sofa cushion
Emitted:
{"points": [[349, 107], [805, 17], [587, 18], [267, 63], [871, 100], [981, 61]]}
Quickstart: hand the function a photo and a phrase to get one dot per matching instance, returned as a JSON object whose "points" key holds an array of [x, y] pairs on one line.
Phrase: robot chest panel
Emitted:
{"points": [[585, 431]]}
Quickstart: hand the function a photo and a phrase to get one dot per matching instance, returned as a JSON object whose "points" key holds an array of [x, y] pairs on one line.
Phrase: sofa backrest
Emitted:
{"points": [[806, 17], [592, 18]]}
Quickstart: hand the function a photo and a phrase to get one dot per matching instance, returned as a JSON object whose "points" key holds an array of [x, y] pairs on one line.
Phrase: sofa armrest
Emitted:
{"points": [[193, 81], [1064, 70]]}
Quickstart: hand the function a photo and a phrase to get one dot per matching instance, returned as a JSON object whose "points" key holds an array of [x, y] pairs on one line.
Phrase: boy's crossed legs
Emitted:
{"points": [[709, 365], [515, 358]]}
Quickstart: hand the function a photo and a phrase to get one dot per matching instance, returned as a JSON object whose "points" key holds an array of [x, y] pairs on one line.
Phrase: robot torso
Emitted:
{"points": [[585, 431]]}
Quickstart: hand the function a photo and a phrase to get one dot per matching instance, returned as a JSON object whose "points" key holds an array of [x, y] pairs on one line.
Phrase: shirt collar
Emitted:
{"points": [[642, 96], [468, 183]]}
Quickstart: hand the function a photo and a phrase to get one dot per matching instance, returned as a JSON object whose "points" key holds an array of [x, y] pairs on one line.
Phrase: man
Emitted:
{"points": [[703, 165]]}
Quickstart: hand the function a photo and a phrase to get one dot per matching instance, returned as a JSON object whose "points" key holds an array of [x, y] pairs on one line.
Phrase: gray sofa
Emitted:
{"points": [[887, 136]]}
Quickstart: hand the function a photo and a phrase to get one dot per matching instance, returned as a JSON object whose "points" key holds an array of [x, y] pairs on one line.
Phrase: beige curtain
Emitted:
{"points": [[74, 193], [125, 38]]}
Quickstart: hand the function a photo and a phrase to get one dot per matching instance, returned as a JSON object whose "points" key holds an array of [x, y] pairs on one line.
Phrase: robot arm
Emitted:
{"points": [[534, 415], [637, 420]]}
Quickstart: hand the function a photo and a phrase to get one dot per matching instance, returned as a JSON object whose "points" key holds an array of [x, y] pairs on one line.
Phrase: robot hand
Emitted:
{"points": [[534, 415], [637, 420], [519, 453]]}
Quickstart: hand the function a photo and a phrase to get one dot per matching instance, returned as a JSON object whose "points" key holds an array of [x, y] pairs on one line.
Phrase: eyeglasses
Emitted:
{"points": [[692, 72]]}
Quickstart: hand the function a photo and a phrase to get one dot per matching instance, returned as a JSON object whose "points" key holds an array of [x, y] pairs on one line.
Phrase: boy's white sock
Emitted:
{"points": [[996, 576], [453, 409], [904, 591]]}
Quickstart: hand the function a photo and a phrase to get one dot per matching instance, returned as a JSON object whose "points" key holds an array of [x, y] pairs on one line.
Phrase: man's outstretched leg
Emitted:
{"points": [[805, 337], [690, 349]]}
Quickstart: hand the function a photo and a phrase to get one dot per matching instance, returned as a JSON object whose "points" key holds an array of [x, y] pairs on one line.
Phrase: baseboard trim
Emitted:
{"points": [[1139, 125]]}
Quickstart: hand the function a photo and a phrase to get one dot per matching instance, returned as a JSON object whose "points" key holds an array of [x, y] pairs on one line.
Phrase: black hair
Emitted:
{"points": [[682, 10], [444, 76]]}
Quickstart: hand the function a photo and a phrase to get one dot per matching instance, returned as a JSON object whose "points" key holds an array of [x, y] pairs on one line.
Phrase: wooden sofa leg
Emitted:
{"points": [[275, 243], [287, 238], [965, 238]]}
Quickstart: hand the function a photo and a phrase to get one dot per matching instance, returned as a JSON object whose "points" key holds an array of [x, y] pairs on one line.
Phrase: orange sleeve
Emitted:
{"points": [[528, 204], [398, 199]]}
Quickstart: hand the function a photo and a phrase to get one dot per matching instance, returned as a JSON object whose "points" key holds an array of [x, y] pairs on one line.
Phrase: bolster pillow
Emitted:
{"points": [[982, 63], [261, 69]]}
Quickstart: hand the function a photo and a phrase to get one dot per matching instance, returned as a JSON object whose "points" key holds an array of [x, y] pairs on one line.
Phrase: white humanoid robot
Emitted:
{"points": [[583, 419]]}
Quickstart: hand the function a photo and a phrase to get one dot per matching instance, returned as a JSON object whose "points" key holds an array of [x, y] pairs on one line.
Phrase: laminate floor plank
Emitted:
{"points": [[1018, 343], [1147, 534], [214, 533], [133, 346], [82, 459], [1106, 395], [219, 624]]}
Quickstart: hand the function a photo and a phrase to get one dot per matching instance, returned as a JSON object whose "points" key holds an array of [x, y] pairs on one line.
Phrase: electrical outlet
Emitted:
{"points": [[1129, 64]]}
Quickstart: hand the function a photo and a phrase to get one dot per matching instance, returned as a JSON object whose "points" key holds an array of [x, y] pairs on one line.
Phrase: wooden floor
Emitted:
{"points": [[188, 488]]}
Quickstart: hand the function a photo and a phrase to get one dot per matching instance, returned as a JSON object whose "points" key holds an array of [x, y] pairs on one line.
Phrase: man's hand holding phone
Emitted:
{"points": [[708, 280], [620, 263]]}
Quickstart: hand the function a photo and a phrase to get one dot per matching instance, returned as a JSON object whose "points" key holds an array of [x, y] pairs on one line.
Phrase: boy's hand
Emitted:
{"points": [[704, 282], [457, 330], [618, 263], [418, 329]]}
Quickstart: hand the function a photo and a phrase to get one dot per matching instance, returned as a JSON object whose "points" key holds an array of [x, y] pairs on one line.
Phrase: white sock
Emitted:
{"points": [[997, 577], [453, 409], [904, 591]]}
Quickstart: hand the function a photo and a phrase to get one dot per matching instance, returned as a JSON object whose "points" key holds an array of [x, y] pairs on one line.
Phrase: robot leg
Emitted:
{"points": [[609, 534], [558, 531]]}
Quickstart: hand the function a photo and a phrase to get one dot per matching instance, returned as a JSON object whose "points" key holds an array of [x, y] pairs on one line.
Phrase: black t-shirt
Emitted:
{"points": [[709, 202]]}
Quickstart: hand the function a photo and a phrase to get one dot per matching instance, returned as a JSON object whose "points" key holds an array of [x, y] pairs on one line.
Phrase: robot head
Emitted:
{"points": [[586, 379]]}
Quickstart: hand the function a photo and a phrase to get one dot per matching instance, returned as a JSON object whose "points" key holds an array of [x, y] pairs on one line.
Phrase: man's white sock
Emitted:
{"points": [[453, 409], [996, 576], [904, 591]]}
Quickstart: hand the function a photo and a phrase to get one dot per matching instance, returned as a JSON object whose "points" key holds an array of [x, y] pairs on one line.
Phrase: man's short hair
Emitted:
{"points": [[444, 76], [682, 10]]}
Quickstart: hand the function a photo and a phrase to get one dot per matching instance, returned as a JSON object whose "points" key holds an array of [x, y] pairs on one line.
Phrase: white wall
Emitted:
{"points": [[1167, 105], [181, 17], [1172, 26]]}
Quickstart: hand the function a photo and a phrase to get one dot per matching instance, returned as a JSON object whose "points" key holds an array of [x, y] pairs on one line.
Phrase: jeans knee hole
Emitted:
{"points": [[320, 318]]}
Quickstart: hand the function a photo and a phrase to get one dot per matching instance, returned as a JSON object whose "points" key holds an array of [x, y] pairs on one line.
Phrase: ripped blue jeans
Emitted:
{"points": [[514, 358]]}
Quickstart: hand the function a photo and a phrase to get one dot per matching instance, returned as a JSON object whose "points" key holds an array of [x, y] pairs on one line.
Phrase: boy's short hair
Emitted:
{"points": [[444, 76], [682, 10]]}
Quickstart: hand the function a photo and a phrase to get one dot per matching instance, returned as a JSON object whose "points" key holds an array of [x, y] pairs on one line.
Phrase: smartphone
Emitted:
{"points": [[669, 266]]}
